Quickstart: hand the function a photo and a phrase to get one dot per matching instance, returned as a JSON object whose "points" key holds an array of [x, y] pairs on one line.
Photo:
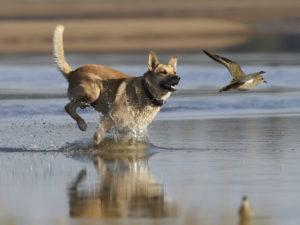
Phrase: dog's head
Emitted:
{"points": [[162, 77]]}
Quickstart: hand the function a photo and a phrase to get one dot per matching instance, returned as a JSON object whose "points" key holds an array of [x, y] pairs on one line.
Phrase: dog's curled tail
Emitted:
{"points": [[58, 52]]}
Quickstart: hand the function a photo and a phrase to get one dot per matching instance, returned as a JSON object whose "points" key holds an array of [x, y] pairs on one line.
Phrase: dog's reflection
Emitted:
{"points": [[126, 187]]}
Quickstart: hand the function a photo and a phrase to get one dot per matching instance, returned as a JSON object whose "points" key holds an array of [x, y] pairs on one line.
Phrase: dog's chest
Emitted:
{"points": [[143, 116], [135, 111]]}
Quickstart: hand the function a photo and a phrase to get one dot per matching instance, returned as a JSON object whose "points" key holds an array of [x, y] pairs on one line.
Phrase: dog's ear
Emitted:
{"points": [[173, 62], [153, 61]]}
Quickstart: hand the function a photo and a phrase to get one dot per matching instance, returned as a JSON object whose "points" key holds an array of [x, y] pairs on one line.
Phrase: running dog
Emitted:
{"points": [[127, 103]]}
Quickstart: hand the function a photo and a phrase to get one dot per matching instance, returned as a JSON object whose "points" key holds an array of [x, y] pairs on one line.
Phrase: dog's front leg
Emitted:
{"points": [[80, 176], [71, 109], [104, 125]]}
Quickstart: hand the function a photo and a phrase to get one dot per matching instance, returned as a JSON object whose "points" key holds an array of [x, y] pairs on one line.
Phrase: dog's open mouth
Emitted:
{"points": [[167, 86], [170, 84]]}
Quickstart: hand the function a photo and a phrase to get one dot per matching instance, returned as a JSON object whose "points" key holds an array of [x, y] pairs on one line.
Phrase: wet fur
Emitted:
{"points": [[118, 96]]}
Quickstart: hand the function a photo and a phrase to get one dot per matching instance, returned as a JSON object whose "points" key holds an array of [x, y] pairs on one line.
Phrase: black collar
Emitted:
{"points": [[154, 100]]}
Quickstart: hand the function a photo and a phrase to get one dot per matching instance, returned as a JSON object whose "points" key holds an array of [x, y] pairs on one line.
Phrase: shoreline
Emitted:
{"points": [[168, 26], [138, 58], [123, 35]]}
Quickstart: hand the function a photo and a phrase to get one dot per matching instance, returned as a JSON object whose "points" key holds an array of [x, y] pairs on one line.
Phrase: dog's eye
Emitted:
{"points": [[164, 72]]}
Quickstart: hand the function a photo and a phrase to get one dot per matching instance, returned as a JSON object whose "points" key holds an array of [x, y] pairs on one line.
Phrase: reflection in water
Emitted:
{"points": [[126, 187], [245, 221]]}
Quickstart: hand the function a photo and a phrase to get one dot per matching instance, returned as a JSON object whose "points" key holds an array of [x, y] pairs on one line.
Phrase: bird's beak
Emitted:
{"points": [[265, 81]]}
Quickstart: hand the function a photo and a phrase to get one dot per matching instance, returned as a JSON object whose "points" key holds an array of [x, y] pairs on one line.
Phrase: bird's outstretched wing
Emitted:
{"points": [[235, 70], [233, 85]]}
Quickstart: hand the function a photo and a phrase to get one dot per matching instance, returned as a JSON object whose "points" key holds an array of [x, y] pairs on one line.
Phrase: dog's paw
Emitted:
{"points": [[82, 125]]}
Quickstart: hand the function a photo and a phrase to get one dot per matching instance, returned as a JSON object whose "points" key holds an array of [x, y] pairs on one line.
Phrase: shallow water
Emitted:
{"points": [[206, 150]]}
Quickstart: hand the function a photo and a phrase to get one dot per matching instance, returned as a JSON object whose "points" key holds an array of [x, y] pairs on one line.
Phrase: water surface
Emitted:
{"points": [[206, 150]]}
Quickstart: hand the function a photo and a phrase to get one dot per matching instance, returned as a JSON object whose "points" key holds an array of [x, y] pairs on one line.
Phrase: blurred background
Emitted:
{"points": [[138, 25], [207, 149]]}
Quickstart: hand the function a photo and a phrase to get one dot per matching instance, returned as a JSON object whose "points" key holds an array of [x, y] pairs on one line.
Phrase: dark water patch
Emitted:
{"points": [[30, 108], [184, 149], [227, 103], [134, 63], [271, 43], [26, 150], [26, 95], [222, 103], [46, 80]]}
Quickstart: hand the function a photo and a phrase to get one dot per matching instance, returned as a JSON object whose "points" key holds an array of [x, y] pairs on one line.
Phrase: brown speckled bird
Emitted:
{"points": [[245, 210], [240, 80]]}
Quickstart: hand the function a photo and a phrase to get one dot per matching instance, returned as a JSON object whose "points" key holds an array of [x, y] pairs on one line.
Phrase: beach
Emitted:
{"points": [[205, 150]]}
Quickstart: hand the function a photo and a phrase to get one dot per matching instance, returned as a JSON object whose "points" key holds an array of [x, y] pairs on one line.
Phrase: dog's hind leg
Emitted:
{"points": [[71, 110], [104, 125]]}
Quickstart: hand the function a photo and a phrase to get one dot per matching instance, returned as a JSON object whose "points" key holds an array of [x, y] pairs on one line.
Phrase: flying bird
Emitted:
{"points": [[240, 80]]}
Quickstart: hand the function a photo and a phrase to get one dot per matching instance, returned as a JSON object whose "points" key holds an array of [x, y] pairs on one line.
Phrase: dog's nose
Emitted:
{"points": [[177, 78]]}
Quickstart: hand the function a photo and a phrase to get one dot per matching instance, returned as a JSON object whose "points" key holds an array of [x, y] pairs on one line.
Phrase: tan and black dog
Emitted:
{"points": [[127, 103]]}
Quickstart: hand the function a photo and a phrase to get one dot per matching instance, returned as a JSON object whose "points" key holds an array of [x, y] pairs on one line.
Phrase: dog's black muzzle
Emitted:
{"points": [[170, 83], [176, 79]]}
